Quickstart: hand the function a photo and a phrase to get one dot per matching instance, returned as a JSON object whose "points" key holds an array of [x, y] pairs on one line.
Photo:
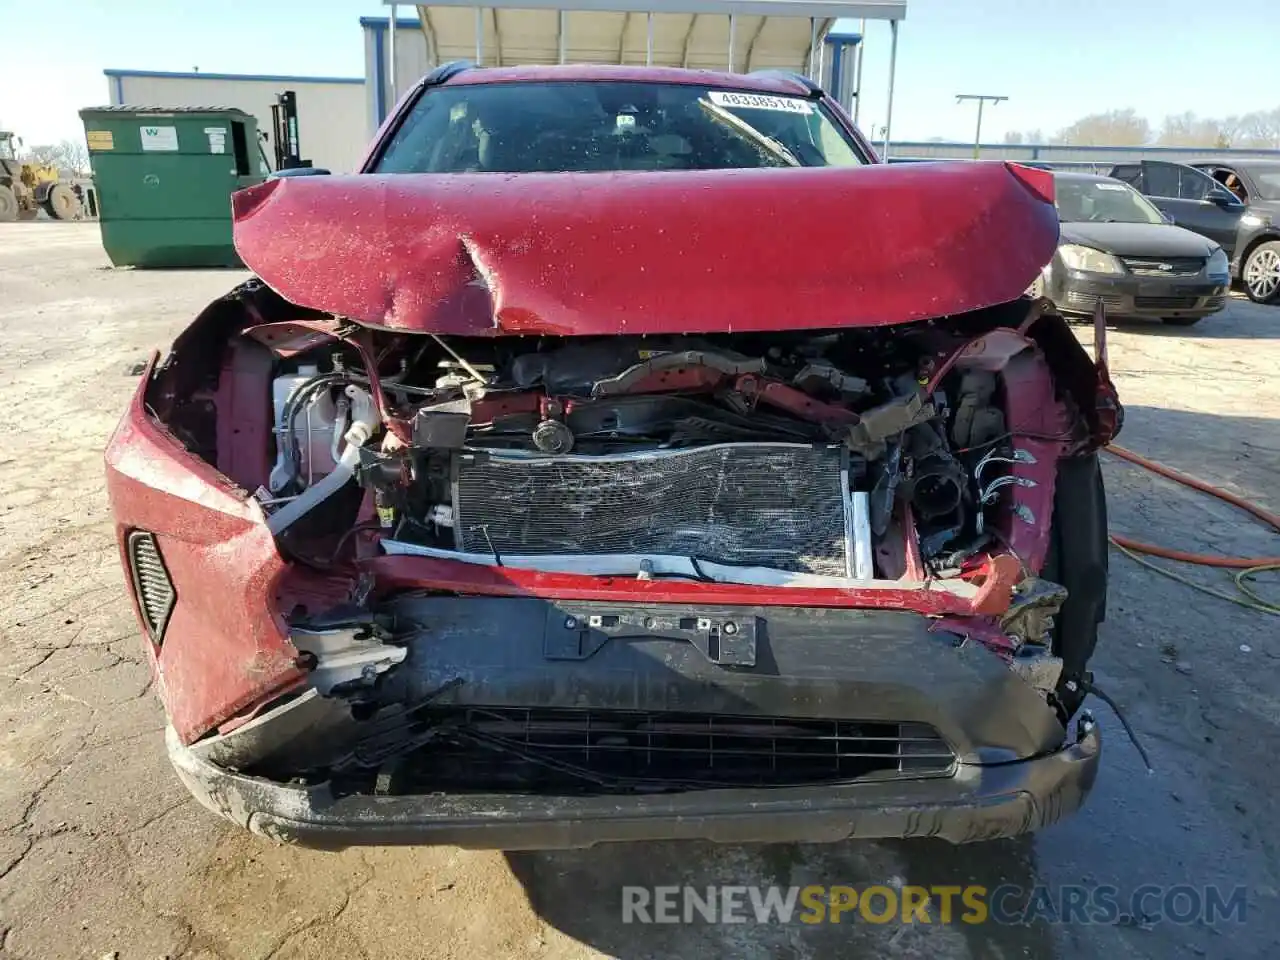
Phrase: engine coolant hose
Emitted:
{"points": [[364, 420], [1245, 566]]}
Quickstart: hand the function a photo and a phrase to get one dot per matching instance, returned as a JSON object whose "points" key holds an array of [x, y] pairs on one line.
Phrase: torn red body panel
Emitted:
{"points": [[393, 573], [649, 253], [225, 647]]}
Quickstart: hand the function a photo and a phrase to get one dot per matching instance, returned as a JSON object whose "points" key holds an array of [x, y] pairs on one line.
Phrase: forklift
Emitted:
{"points": [[284, 124]]}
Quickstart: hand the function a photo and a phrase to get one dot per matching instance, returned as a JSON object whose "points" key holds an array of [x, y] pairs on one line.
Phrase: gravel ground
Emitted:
{"points": [[102, 854]]}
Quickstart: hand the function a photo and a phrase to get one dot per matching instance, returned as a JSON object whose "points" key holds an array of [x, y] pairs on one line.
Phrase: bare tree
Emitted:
{"points": [[1188, 130], [76, 153], [70, 155], [1015, 137], [1260, 129], [1115, 128]]}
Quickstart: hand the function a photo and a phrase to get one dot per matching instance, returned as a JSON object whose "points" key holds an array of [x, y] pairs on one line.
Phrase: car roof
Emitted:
{"points": [[777, 82], [1243, 163]]}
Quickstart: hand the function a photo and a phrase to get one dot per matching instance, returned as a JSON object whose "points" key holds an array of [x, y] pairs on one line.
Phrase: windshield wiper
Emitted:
{"points": [[749, 133]]}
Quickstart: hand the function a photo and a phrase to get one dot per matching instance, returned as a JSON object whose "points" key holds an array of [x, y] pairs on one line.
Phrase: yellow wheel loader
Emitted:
{"points": [[26, 187]]}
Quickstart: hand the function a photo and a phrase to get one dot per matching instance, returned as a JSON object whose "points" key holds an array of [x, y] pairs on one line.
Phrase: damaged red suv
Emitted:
{"points": [[624, 454]]}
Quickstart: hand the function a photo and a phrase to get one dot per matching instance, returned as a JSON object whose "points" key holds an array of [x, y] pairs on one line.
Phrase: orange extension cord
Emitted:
{"points": [[1247, 566]]}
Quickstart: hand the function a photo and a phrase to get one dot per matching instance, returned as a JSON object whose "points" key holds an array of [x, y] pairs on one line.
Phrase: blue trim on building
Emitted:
{"points": [[119, 83], [269, 77], [380, 27], [379, 76], [383, 23], [839, 43]]}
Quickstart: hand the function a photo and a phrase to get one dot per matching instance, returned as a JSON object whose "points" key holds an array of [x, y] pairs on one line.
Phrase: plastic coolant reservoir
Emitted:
{"points": [[312, 430]]}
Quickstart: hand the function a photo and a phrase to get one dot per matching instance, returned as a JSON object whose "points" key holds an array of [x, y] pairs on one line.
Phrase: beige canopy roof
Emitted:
{"points": [[735, 35]]}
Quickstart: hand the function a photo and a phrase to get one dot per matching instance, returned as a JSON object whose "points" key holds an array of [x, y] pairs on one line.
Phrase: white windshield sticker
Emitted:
{"points": [[758, 101], [1112, 186]]}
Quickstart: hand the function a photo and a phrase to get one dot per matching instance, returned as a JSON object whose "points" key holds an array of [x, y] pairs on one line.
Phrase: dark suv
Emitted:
{"points": [[1236, 203]]}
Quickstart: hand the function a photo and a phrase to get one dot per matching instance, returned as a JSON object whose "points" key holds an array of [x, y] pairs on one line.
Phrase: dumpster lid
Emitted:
{"points": [[122, 109]]}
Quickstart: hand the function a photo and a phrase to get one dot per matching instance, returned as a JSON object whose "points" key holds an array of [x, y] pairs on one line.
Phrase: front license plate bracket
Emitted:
{"points": [[576, 633]]}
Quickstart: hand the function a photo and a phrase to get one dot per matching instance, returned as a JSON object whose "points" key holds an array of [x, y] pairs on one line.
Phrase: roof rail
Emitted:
{"points": [[446, 72], [806, 82]]}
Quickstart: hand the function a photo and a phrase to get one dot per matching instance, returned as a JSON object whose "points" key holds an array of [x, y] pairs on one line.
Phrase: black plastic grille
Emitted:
{"points": [[1164, 266], [1166, 303], [1086, 301], [151, 583], [603, 751]]}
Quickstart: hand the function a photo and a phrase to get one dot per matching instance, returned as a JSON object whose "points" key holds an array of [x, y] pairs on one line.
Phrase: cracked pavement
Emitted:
{"points": [[102, 853]]}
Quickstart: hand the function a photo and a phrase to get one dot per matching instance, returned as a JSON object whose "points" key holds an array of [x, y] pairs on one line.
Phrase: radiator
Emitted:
{"points": [[774, 505]]}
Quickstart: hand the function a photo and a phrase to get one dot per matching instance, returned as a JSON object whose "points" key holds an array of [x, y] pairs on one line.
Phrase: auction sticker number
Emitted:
{"points": [[758, 101]]}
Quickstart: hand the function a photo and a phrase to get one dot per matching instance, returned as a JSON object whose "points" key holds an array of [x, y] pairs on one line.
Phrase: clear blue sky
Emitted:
{"points": [[1055, 59]]}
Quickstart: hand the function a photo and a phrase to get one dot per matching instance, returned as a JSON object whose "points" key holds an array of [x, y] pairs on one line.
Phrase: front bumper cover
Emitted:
{"points": [[1012, 774], [978, 803], [1078, 293]]}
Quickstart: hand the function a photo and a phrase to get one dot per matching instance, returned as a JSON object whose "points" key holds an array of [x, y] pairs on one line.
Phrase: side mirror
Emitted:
{"points": [[1167, 217], [299, 172], [1224, 198]]}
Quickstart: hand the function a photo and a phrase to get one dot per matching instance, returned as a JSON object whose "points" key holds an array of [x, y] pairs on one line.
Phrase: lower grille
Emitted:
{"points": [[1166, 303], [604, 751], [1085, 301], [151, 583], [774, 505]]}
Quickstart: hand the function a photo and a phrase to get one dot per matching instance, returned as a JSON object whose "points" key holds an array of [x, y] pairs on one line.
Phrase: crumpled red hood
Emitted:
{"points": [[671, 252]]}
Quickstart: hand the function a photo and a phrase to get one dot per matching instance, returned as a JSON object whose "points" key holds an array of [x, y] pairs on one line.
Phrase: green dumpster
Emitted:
{"points": [[165, 176]]}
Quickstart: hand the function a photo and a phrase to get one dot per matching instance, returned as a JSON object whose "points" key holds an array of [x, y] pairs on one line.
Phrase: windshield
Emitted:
{"points": [[605, 125], [1103, 201]]}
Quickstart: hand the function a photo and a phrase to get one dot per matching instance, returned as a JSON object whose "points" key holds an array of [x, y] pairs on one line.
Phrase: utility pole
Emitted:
{"points": [[982, 99]]}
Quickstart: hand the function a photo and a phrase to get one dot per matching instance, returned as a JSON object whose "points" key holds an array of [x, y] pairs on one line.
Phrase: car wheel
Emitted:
{"points": [[1261, 272], [1181, 321], [61, 204], [8, 204]]}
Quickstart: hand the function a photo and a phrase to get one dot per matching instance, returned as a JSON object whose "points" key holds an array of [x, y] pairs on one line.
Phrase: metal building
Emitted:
{"points": [[332, 114], [337, 116]]}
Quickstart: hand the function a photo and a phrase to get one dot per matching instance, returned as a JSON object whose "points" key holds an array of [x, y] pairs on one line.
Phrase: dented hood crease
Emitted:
{"points": [[670, 252]]}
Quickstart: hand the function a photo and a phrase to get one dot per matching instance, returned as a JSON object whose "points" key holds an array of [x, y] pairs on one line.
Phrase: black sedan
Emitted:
{"points": [[1118, 249]]}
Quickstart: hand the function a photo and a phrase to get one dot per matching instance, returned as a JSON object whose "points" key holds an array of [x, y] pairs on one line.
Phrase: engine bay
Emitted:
{"points": [[912, 467], [810, 458]]}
